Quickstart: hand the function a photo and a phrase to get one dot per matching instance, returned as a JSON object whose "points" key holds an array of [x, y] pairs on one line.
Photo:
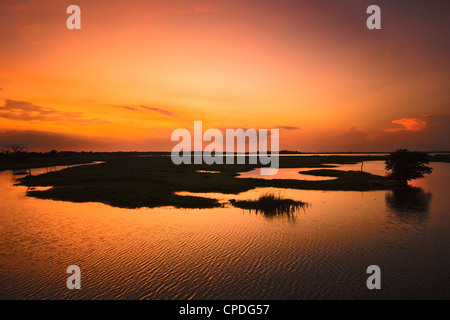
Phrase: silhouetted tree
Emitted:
{"points": [[15, 148], [53, 153], [17, 152], [404, 165]]}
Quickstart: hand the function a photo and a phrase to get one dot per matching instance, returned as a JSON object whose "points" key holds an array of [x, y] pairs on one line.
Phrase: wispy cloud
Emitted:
{"points": [[154, 109], [288, 128], [26, 111], [159, 110], [128, 108]]}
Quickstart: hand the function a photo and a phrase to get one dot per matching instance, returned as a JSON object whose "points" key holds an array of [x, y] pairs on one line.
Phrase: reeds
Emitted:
{"points": [[270, 205]]}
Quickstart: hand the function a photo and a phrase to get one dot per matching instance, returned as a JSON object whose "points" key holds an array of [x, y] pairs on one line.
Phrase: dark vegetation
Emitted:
{"points": [[15, 152], [350, 175], [132, 179], [136, 181], [271, 205], [404, 165]]}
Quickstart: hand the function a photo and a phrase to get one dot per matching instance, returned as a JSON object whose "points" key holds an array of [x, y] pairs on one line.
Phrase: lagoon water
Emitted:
{"points": [[228, 253]]}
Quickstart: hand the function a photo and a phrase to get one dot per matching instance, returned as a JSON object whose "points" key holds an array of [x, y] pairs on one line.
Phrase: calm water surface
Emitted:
{"points": [[228, 253], [284, 173]]}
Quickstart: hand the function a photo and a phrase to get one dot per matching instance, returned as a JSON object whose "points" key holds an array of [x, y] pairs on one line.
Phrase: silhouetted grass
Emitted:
{"points": [[271, 205]]}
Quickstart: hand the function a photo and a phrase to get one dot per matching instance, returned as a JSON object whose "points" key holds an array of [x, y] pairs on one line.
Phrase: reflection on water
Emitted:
{"points": [[373, 167], [207, 171], [289, 214], [283, 173], [409, 204], [225, 253], [271, 205], [38, 171]]}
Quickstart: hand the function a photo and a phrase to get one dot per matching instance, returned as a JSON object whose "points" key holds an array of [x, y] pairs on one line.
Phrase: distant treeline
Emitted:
{"points": [[15, 153], [20, 155]]}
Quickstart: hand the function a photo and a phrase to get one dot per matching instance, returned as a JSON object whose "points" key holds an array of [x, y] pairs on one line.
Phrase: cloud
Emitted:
{"points": [[350, 140], [288, 128], [154, 109], [424, 133], [42, 140], [159, 110], [26, 111], [421, 133], [128, 108], [411, 124], [45, 141]]}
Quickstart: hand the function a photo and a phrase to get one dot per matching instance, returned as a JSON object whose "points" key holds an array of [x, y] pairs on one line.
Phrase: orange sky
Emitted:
{"points": [[139, 69]]}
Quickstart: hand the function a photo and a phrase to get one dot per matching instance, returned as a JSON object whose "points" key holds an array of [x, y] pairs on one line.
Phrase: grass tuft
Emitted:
{"points": [[271, 205]]}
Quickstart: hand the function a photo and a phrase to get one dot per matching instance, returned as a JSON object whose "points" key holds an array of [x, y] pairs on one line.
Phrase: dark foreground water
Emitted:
{"points": [[227, 253]]}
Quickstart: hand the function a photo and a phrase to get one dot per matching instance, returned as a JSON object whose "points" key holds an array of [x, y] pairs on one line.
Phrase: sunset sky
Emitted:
{"points": [[139, 69]]}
